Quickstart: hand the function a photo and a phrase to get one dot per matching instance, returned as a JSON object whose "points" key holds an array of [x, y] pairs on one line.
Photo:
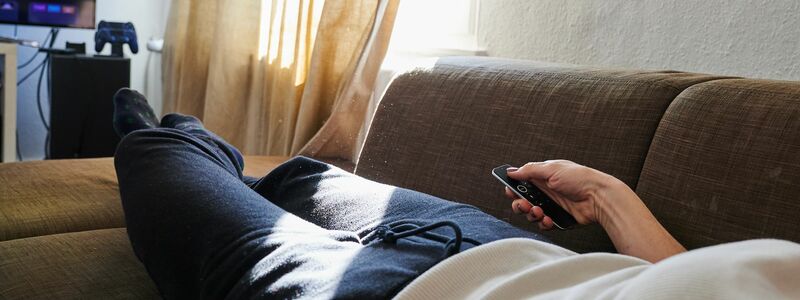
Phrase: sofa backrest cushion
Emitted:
{"points": [[725, 163], [441, 130]]}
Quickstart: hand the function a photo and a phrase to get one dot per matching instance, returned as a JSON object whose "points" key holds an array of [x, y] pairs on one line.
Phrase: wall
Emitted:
{"points": [[757, 38], [149, 17]]}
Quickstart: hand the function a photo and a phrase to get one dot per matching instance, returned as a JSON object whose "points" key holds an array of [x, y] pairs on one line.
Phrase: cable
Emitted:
{"points": [[35, 55], [52, 34], [36, 69], [50, 106], [29, 61], [54, 31], [19, 153], [39, 96], [40, 68]]}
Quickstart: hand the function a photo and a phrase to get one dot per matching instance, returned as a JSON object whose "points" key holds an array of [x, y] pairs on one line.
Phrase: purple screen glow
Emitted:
{"points": [[57, 13]]}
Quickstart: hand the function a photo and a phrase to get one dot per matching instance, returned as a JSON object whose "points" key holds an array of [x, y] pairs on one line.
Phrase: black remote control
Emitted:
{"points": [[528, 191]]}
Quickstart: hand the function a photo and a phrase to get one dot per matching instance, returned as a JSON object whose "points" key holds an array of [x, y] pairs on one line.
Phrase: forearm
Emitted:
{"points": [[632, 227]]}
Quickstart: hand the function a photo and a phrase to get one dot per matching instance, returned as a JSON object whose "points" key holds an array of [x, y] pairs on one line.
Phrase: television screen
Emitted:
{"points": [[54, 13]]}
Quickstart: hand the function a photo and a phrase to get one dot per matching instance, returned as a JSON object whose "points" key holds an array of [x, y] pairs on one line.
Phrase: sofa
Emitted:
{"points": [[716, 158]]}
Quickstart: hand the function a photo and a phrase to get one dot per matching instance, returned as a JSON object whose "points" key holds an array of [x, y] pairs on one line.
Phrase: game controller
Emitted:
{"points": [[116, 34]]}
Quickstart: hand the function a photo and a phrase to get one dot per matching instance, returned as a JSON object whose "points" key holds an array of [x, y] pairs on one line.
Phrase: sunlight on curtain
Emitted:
{"points": [[286, 41], [283, 34], [354, 48], [246, 69]]}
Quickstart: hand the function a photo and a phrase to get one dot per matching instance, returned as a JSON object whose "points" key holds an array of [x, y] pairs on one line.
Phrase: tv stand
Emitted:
{"points": [[8, 105]]}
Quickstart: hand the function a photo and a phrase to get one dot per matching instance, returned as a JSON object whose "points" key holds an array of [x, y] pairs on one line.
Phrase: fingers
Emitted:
{"points": [[533, 214], [546, 223], [537, 213], [521, 206], [510, 194]]}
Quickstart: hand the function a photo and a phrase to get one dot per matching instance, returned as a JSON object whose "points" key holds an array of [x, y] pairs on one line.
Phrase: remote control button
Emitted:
{"points": [[522, 188]]}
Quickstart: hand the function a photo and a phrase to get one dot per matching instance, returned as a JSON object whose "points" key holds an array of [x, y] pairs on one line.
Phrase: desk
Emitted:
{"points": [[8, 105]]}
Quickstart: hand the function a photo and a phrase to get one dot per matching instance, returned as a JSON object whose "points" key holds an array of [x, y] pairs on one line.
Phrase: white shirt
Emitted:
{"points": [[527, 269]]}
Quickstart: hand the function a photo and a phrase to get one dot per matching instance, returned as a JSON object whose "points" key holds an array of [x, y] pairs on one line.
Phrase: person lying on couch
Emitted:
{"points": [[311, 230]]}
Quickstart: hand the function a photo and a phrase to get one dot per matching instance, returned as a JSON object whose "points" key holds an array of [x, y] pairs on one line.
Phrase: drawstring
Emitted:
{"points": [[403, 229]]}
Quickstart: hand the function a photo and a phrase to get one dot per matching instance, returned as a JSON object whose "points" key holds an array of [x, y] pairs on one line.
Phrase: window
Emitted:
{"points": [[438, 27]]}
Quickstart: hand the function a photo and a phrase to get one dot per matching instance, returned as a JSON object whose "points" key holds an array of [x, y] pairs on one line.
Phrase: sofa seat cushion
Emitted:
{"points": [[57, 196], [96, 264], [45, 197], [724, 164]]}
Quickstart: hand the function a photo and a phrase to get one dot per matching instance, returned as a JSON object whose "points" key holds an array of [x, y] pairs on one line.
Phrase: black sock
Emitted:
{"points": [[131, 112]]}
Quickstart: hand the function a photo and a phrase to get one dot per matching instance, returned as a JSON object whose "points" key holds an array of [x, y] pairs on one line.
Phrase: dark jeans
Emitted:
{"points": [[306, 230]]}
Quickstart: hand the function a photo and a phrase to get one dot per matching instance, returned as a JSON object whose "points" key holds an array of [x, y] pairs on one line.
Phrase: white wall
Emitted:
{"points": [[149, 18], [755, 38]]}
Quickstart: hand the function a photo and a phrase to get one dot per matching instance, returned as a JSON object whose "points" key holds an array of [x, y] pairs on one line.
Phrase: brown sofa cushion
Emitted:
{"points": [[97, 264], [56, 196], [45, 197], [725, 163], [441, 130]]}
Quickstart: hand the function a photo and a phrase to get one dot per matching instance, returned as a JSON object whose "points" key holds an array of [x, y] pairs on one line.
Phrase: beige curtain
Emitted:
{"points": [[277, 77]]}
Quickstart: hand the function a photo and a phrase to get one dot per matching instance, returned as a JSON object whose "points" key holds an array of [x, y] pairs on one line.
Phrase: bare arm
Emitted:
{"points": [[592, 196]]}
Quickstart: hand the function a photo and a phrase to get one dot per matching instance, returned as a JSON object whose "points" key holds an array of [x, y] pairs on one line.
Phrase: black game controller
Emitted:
{"points": [[117, 34]]}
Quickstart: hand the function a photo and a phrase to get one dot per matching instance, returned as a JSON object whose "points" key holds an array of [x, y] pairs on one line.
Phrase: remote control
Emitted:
{"points": [[528, 191]]}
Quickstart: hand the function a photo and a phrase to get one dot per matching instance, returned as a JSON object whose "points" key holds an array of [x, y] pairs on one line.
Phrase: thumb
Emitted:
{"points": [[533, 171]]}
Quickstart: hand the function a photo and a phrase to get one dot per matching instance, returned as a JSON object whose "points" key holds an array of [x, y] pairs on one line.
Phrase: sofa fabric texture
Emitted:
{"points": [[441, 130], [49, 197], [95, 264], [724, 164]]}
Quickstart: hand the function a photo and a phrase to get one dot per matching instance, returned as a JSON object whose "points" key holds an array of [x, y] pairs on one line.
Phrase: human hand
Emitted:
{"points": [[593, 196], [576, 188]]}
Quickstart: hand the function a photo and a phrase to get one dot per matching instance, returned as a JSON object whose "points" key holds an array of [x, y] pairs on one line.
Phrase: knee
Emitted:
{"points": [[152, 137], [135, 140], [131, 141], [304, 165], [130, 147], [147, 142], [298, 171]]}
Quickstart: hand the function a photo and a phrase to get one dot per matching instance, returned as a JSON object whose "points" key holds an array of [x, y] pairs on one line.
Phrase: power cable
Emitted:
{"points": [[19, 153], [39, 94], [36, 69], [35, 55], [41, 68]]}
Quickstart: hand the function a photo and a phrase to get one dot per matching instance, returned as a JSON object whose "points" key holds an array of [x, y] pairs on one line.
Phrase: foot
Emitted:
{"points": [[131, 112]]}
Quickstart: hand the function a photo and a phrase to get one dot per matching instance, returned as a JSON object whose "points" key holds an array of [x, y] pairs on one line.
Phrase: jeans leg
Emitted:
{"points": [[202, 233], [337, 200]]}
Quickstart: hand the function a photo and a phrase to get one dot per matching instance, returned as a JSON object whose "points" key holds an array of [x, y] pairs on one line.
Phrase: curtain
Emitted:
{"points": [[277, 77]]}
